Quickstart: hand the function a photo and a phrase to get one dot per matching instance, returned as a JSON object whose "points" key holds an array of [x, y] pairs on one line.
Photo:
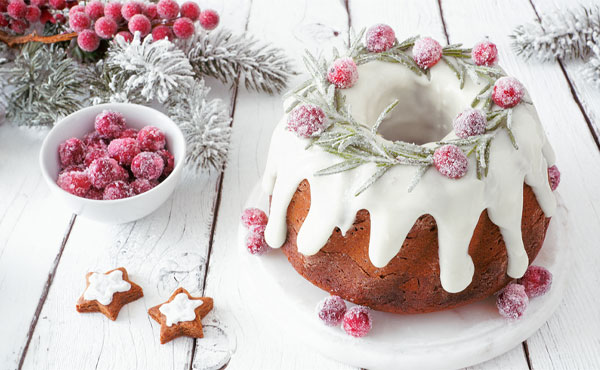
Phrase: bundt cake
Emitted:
{"points": [[409, 177]]}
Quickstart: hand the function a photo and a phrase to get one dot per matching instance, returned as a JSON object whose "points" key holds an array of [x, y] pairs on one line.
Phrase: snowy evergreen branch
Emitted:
{"points": [[591, 69], [205, 124], [223, 55], [565, 34], [45, 85]]}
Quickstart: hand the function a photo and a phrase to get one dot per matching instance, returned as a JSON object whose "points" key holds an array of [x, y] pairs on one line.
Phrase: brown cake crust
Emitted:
{"points": [[410, 282]]}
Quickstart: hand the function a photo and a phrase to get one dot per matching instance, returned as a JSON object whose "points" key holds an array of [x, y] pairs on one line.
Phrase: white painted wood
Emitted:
{"points": [[570, 338], [32, 226], [259, 344]]}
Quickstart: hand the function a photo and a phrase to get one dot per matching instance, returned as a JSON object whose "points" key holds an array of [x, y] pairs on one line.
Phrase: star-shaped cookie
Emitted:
{"points": [[107, 293], [181, 315]]}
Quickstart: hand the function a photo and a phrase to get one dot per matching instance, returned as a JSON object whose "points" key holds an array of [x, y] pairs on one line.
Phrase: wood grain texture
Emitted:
{"points": [[569, 338], [32, 226]]}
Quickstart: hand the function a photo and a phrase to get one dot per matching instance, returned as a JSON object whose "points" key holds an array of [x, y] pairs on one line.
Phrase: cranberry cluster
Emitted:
{"points": [[513, 300], [356, 321], [18, 15], [255, 220], [113, 161]]}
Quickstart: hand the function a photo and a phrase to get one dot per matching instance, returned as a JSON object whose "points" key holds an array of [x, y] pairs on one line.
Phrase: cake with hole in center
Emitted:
{"points": [[407, 176]]}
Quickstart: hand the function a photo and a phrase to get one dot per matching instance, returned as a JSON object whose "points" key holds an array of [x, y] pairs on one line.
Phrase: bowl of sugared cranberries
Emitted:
{"points": [[113, 163]]}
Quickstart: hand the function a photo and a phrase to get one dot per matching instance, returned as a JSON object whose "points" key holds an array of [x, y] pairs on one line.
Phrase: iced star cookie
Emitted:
{"points": [[107, 293], [181, 315]]}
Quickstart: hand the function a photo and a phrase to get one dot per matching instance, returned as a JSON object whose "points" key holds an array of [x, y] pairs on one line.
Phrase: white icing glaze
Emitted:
{"points": [[181, 308], [103, 286], [456, 205]]}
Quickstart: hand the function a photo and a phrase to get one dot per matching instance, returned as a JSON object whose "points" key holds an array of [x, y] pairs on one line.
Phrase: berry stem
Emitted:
{"points": [[11, 40]]}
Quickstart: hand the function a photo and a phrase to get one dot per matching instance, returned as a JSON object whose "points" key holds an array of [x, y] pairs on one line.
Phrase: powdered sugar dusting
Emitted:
{"points": [[343, 73], [512, 301], [380, 37], [536, 281], [307, 120], [331, 310], [484, 53], [427, 52], [469, 122], [357, 321], [508, 92], [450, 161]]}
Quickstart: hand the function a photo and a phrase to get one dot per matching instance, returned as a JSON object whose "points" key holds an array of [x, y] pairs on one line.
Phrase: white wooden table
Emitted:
{"points": [[191, 240]]}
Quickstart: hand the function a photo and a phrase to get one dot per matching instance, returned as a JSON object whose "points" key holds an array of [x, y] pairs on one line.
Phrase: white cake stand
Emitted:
{"points": [[442, 340]]}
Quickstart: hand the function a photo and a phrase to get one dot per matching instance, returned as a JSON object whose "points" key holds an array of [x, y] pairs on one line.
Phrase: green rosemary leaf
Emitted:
{"points": [[380, 172], [340, 167], [417, 177], [383, 115]]}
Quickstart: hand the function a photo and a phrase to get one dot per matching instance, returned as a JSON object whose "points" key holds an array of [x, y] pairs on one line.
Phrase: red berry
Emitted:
{"points": [[306, 120], [17, 9], [380, 37], [105, 27], [38, 3], [33, 14], [76, 9], [60, 18], [162, 32], [167, 9], [147, 165], [343, 73], [140, 23], [93, 139], [469, 122], [254, 217], [113, 11], [357, 321], [255, 242], [71, 152], [536, 281], [190, 10], [140, 186], [79, 21], [58, 4], [512, 301], [109, 124], [183, 28], [554, 177], [93, 154], [127, 36], [117, 190], [88, 40], [94, 9], [427, 52], [508, 92], [450, 161], [3, 5], [130, 9], [18, 25], [169, 161], [123, 150], [3, 21], [95, 194], [484, 53], [151, 11], [151, 139], [103, 171], [209, 19], [74, 182], [130, 132], [331, 310]]}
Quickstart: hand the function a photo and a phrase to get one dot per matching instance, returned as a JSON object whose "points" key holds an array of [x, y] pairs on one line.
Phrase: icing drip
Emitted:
{"points": [[181, 308], [456, 205], [103, 286]]}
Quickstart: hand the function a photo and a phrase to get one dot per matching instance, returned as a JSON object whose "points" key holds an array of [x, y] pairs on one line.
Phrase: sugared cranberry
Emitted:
{"points": [[508, 92], [94, 9], [79, 21], [129, 132], [117, 190], [357, 321], [536, 281], [130, 9], [33, 14], [140, 186], [140, 23], [95, 194], [126, 35], [17, 9], [105, 27], [554, 177], [109, 124], [209, 19], [169, 161], [147, 165], [167, 9], [427, 52], [306, 120], [512, 301], [4, 22], [255, 242], [93, 139], [380, 38], [103, 171], [331, 310], [254, 217], [343, 73], [71, 152], [87, 40], [18, 25], [123, 150], [484, 53], [183, 28], [469, 122], [93, 154], [450, 161], [58, 4], [162, 32], [151, 139], [76, 9], [112, 10], [74, 182], [190, 10], [151, 11]]}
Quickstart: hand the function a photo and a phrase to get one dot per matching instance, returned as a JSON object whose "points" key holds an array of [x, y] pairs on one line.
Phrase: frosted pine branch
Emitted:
{"points": [[205, 124], [564, 34], [223, 55], [591, 69]]}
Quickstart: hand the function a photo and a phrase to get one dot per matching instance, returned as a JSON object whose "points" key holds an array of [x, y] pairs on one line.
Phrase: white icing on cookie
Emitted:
{"points": [[181, 308], [456, 205], [103, 286]]}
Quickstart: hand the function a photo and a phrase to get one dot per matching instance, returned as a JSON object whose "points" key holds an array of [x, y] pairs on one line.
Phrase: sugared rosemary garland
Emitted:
{"points": [[320, 106]]}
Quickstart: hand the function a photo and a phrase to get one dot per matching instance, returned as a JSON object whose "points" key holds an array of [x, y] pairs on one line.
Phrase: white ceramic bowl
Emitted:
{"points": [[120, 210]]}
